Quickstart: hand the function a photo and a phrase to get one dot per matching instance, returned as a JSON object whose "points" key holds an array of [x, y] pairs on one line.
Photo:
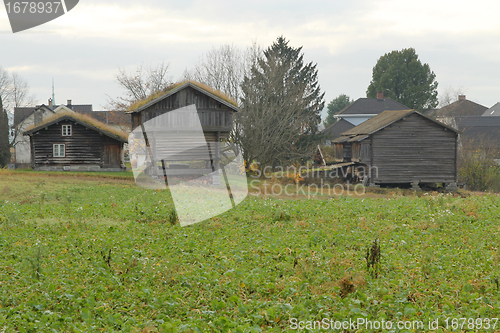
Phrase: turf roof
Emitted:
{"points": [[152, 99], [83, 120], [379, 122]]}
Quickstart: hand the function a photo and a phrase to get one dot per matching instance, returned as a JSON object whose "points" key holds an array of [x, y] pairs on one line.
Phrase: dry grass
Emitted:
{"points": [[84, 119], [203, 86]]}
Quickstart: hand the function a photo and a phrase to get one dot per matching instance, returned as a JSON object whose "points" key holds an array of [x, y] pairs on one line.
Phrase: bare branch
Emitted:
{"points": [[139, 85], [20, 95], [224, 67]]}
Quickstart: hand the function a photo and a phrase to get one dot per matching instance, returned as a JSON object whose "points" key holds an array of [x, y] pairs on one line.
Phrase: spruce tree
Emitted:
{"points": [[282, 102]]}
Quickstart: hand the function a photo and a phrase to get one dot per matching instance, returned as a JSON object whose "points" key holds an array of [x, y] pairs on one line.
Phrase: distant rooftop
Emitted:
{"points": [[372, 106], [106, 117], [21, 113], [461, 108], [493, 111]]}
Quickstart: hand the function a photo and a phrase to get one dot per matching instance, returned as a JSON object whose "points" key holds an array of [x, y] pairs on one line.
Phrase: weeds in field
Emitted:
{"points": [[106, 257], [373, 256], [35, 262], [496, 281], [67, 204], [172, 217], [41, 201], [39, 184], [12, 218], [346, 286], [246, 270], [426, 262]]}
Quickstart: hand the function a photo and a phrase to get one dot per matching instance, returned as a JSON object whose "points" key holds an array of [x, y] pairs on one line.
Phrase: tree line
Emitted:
{"points": [[278, 93]]}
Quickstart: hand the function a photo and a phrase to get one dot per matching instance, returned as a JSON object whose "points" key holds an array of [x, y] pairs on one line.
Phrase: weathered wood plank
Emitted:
{"points": [[83, 147]]}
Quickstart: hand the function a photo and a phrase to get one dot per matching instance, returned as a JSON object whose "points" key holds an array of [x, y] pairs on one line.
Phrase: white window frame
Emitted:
{"points": [[66, 130], [56, 150]]}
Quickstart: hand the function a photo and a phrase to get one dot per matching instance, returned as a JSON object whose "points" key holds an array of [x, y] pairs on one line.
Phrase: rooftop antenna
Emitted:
{"points": [[53, 94]]}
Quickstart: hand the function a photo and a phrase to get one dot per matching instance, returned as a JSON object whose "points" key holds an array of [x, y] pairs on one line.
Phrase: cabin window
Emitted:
{"points": [[59, 150], [66, 130]]}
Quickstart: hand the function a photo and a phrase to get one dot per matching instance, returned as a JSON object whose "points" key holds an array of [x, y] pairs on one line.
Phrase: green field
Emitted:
{"points": [[81, 253]]}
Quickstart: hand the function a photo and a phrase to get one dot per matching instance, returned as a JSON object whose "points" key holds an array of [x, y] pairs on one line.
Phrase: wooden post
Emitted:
{"points": [[216, 176], [149, 151], [322, 157]]}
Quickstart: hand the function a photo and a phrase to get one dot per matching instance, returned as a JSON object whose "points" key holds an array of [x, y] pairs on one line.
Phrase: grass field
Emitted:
{"points": [[81, 253]]}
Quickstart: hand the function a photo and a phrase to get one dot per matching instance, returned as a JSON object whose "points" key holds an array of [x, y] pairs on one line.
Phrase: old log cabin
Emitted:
{"points": [[401, 147], [174, 136], [71, 141]]}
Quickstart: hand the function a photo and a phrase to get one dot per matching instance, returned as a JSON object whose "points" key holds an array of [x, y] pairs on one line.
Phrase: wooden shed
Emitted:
{"points": [[70, 141], [401, 147], [215, 112]]}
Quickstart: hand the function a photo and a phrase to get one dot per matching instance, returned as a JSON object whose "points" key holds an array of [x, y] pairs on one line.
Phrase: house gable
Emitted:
{"points": [[215, 113], [69, 143], [86, 122]]}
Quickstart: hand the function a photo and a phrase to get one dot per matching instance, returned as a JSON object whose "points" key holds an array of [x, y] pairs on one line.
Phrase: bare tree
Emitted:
{"points": [[450, 95], [20, 94], [139, 85], [14, 90], [5, 83], [224, 67]]}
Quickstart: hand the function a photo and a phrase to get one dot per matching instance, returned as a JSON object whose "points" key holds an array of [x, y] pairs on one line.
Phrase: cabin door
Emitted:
{"points": [[111, 156]]}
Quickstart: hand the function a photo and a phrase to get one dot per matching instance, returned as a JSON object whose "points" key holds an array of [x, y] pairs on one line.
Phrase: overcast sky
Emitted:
{"points": [[82, 50]]}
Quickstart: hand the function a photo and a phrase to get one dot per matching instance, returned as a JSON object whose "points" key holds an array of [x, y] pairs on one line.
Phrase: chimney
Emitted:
{"points": [[68, 104], [380, 95], [461, 97], [50, 103]]}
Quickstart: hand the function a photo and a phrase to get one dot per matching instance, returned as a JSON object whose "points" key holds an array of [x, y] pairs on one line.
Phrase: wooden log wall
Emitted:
{"points": [[365, 153], [347, 152], [414, 149], [355, 151], [83, 147], [214, 116]]}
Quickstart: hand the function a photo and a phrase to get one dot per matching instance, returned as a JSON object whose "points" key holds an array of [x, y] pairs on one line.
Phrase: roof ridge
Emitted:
{"points": [[168, 91], [83, 120], [372, 105]]}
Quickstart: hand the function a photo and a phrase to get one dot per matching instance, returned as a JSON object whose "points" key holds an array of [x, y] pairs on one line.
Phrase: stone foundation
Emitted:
{"points": [[86, 168]]}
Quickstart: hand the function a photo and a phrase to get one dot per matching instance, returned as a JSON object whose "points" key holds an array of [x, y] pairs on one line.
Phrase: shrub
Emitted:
{"points": [[479, 171]]}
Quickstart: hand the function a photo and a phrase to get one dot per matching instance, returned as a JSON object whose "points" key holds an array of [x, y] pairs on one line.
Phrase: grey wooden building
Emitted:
{"points": [[401, 147], [215, 111], [73, 142]]}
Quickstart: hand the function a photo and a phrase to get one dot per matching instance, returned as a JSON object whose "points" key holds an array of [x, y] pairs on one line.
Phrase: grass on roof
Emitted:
{"points": [[85, 119], [203, 86]]}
